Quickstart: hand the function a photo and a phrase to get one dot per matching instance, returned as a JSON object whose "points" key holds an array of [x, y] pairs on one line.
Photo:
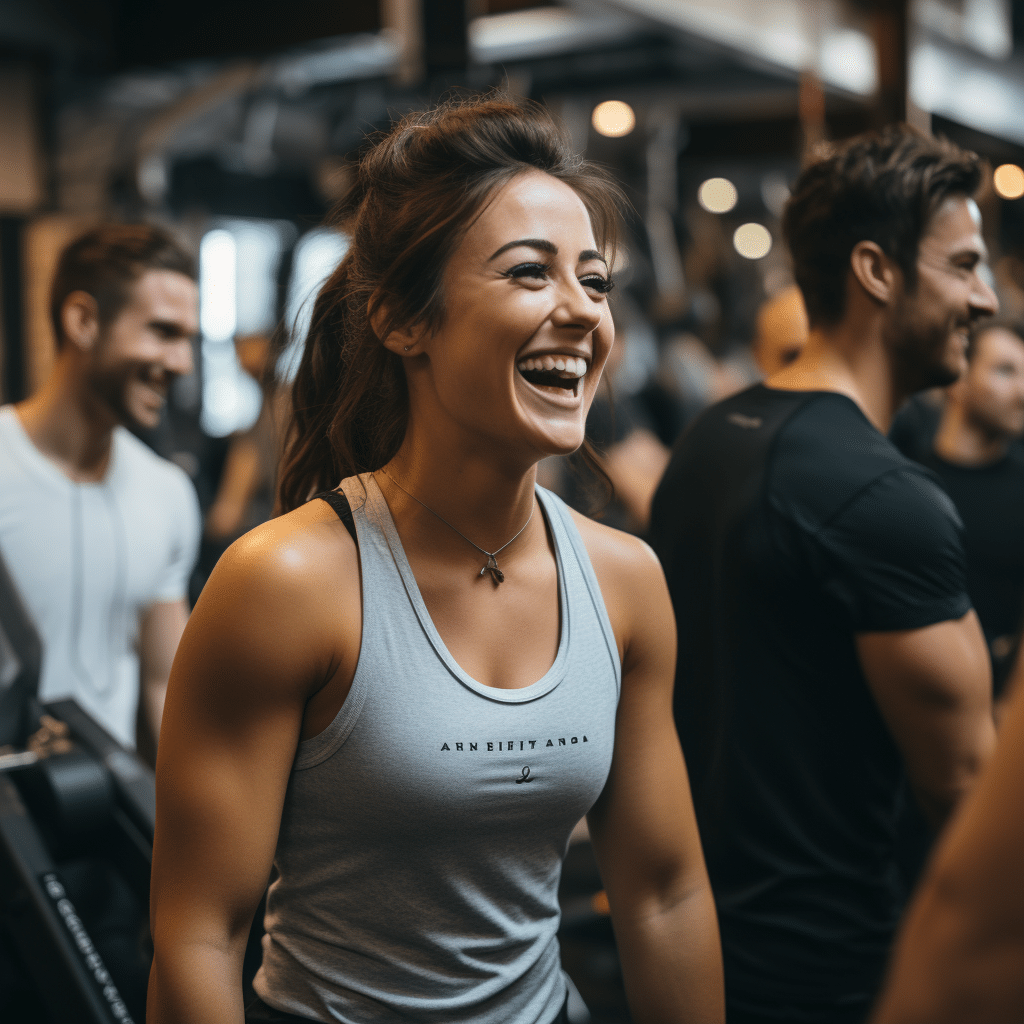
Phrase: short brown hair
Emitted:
{"points": [[881, 187], [106, 261]]}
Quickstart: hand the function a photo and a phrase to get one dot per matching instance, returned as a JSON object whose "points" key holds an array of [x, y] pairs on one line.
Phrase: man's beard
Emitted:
{"points": [[920, 355], [109, 385]]}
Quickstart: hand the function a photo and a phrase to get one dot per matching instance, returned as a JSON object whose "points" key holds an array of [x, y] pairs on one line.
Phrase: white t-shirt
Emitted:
{"points": [[89, 558]]}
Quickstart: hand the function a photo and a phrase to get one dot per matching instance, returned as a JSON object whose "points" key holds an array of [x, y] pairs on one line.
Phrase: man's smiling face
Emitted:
{"points": [[931, 323], [145, 346]]}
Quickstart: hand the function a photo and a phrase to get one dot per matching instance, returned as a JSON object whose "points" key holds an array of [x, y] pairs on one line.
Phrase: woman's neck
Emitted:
{"points": [[485, 503]]}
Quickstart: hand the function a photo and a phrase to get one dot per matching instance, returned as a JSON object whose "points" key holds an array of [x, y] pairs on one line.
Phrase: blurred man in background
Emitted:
{"points": [[781, 331], [984, 475], [826, 638], [98, 532]]}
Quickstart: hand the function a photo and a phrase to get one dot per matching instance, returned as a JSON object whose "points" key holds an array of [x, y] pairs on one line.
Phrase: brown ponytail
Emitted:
{"points": [[415, 192]]}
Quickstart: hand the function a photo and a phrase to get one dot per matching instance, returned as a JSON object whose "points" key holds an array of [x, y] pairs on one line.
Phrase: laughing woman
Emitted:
{"points": [[403, 695]]}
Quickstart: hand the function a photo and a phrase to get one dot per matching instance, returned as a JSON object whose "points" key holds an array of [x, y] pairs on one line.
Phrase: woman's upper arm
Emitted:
{"points": [[258, 644], [643, 825]]}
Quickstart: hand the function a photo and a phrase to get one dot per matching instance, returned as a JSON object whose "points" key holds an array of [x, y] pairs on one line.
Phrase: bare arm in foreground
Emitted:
{"points": [[275, 629], [961, 950]]}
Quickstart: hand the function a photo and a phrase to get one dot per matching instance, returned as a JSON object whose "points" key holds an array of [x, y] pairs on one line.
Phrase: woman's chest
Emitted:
{"points": [[503, 635], [436, 756]]}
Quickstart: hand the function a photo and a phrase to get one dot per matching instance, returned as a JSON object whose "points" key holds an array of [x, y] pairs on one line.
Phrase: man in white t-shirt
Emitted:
{"points": [[98, 532]]}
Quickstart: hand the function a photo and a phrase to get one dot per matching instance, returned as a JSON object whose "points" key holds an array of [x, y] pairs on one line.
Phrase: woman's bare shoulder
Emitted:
{"points": [[308, 546], [292, 583], [624, 559], [635, 596]]}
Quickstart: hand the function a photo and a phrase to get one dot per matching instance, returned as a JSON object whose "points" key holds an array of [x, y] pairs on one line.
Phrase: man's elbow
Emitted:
{"points": [[942, 790], [937, 805]]}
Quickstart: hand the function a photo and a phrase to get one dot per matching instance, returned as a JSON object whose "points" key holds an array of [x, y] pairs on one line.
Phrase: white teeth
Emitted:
{"points": [[569, 365]]}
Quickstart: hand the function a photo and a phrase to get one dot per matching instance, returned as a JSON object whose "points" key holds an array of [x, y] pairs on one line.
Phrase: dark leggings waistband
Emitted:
{"points": [[258, 1012]]}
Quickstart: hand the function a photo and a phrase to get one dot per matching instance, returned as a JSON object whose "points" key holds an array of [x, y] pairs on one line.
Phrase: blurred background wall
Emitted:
{"points": [[232, 122]]}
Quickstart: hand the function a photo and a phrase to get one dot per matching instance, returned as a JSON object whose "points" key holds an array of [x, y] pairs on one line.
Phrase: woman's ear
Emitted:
{"points": [[402, 341], [405, 342]]}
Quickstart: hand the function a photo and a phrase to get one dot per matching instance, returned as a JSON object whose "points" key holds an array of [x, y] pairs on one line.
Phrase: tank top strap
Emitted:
{"points": [[386, 572], [574, 553], [379, 581]]}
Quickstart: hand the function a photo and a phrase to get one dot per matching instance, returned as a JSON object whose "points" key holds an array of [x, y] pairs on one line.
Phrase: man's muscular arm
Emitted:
{"points": [[159, 634], [934, 689], [962, 944]]}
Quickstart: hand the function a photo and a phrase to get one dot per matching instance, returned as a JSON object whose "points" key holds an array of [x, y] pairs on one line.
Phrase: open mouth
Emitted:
{"points": [[155, 395], [562, 372]]}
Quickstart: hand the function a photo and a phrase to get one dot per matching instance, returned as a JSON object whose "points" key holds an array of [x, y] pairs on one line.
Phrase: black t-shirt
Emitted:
{"points": [[990, 500], [787, 525], [914, 426]]}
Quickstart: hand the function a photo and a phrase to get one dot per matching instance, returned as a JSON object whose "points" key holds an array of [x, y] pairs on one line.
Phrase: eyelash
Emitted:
{"points": [[600, 284]]}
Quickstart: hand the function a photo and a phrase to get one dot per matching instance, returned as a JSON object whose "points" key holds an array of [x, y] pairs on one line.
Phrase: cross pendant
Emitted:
{"points": [[492, 567]]}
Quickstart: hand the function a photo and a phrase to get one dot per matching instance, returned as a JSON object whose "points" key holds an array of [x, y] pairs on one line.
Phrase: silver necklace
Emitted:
{"points": [[492, 564]]}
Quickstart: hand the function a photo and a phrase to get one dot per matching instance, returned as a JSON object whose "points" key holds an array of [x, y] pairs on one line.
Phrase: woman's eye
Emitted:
{"points": [[598, 283], [535, 270]]}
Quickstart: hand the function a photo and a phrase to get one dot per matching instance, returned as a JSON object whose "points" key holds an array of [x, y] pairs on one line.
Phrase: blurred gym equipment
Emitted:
{"points": [[76, 835]]}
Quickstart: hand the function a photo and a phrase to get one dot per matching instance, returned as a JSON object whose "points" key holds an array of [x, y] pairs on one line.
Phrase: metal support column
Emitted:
{"points": [[14, 386]]}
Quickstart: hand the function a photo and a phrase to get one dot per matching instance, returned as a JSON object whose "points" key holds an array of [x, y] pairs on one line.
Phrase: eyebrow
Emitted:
{"points": [[174, 327], [545, 246], [979, 252]]}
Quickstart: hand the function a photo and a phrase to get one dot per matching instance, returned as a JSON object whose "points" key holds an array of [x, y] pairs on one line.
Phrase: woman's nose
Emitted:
{"points": [[578, 308]]}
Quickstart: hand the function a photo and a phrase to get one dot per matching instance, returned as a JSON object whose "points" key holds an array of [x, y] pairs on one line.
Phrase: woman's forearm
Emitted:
{"points": [[672, 960]]}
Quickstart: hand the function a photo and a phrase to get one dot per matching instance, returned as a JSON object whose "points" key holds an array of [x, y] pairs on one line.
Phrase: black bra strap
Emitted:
{"points": [[338, 501]]}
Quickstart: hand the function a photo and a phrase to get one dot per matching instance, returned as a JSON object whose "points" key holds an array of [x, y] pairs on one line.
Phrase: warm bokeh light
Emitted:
{"points": [[717, 195], [613, 118], [752, 241], [1009, 181]]}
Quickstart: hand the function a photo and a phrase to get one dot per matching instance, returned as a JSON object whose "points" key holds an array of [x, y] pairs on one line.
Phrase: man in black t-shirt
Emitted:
{"points": [[983, 472], [827, 646]]}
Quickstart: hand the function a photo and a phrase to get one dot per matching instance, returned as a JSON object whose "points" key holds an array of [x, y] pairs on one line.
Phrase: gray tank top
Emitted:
{"points": [[423, 830]]}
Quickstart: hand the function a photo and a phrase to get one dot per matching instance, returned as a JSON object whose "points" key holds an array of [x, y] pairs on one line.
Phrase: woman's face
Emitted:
{"points": [[526, 328]]}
